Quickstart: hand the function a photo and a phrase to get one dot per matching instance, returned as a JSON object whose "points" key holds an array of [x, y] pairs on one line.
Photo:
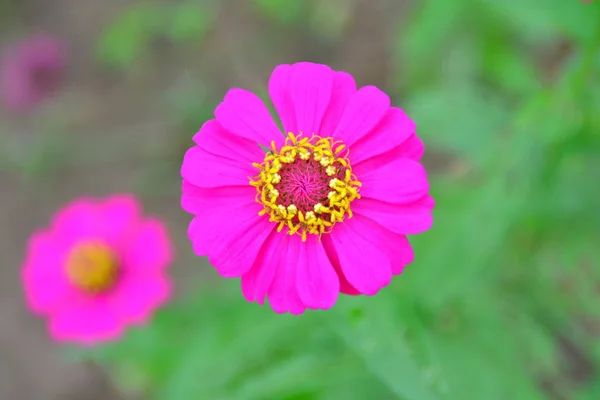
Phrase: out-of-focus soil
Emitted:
{"points": [[102, 107]]}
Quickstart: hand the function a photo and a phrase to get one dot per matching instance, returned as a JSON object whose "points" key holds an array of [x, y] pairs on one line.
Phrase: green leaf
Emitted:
{"points": [[373, 333], [541, 20], [510, 70], [128, 36], [329, 18], [455, 251], [283, 379], [459, 118], [428, 31], [45, 157], [283, 11], [190, 19]]}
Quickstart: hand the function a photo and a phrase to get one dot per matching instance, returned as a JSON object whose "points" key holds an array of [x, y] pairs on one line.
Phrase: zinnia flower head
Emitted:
{"points": [[30, 71], [322, 209], [99, 267]]}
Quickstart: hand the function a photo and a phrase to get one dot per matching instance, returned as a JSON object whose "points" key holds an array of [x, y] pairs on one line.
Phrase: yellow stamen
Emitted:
{"points": [[292, 210], [332, 167]]}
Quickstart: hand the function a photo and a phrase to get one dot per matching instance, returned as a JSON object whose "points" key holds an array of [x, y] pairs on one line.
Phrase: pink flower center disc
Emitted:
{"points": [[307, 185]]}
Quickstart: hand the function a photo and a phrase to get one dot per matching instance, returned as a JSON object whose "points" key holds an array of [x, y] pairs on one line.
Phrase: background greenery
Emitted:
{"points": [[501, 301]]}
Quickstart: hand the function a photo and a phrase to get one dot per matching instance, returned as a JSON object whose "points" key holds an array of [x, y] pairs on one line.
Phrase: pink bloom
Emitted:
{"points": [[30, 71], [326, 209], [97, 268]]}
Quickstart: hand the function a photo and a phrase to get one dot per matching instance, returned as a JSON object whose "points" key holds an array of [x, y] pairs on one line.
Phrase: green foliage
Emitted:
{"points": [[130, 35], [282, 11], [35, 158], [323, 19], [329, 18], [189, 20]]}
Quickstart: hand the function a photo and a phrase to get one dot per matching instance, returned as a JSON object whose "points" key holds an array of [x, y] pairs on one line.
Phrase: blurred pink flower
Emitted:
{"points": [[98, 267], [30, 71], [326, 209]]}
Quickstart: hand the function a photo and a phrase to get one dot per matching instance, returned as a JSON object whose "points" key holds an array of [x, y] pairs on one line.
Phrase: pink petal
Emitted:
{"points": [[138, 297], [119, 215], [396, 247], [317, 282], [401, 181], [214, 220], [256, 282], [366, 266], [214, 139], [149, 249], [393, 130], [195, 199], [282, 294], [310, 92], [406, 219], [412, 149], [280, 95], [244, 114], [45, 282], [194, 229], [239, 243], [341, 93], [398, 267], [345, 286], [363, 112], [88, 321], [406, 256], [77, 221], [207, 170]]}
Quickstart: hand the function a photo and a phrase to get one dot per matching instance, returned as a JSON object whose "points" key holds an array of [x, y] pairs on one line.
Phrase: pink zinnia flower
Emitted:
{"points": [[30, 71], [99, 267], [326, 208]]}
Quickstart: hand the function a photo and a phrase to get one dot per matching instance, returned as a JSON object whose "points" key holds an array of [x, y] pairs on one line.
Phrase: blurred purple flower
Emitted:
{"points": [[30, 71]]}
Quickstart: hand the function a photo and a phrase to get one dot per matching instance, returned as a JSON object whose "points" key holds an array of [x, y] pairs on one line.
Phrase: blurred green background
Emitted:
{"points": [[502, 300]]}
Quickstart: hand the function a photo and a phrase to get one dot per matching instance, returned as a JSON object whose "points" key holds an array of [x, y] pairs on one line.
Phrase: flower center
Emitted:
{"points": [[307, 186], [92, 267]]}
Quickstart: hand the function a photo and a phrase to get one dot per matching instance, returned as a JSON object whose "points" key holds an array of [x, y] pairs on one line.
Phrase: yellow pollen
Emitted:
{"points": [[292, 210], [92, 267], [319, 208], [307, 185]]}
